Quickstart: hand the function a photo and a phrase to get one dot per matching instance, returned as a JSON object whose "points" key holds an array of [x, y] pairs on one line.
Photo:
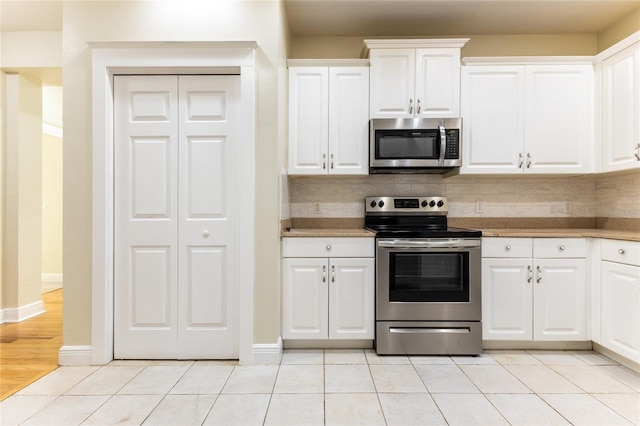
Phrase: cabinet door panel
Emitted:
{"points": [[349, 120], [493, 119], [621, 309], [351, 298], [392, 83], [506, 299], [437, 83], [621, 106], [559, 299], [559, 118], [305, 296], [308, 120]]}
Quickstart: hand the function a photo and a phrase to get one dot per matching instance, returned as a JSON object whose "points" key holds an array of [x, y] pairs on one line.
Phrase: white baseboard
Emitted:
{"points": [[22, 313], [267, 353], [74, 356], [52, 278]]}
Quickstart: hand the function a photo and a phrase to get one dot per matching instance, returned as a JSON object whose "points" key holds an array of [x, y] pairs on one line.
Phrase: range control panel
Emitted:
{"points": [[436, 206]]}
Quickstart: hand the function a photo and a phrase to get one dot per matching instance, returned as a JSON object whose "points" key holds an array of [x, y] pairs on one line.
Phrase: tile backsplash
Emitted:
{"points": [[618, 196], [468, 196]]}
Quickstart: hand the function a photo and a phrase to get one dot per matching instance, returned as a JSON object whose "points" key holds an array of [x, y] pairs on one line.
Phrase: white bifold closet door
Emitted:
{"points": [[176, 234]]}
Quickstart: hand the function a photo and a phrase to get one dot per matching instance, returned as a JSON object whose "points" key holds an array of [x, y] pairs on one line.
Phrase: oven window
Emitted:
{"points": [[408, 145], [429, 277]]}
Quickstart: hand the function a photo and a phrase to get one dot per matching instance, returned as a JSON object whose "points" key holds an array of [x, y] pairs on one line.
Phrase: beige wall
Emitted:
{"points": [[478, 45], [3, 144], [37, 54], [151, 21], [23, 223], [52, 182], [621, 29], [51, 205]]}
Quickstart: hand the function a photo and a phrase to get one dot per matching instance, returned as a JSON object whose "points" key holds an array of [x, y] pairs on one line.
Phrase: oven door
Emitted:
{"points": [[428, 279]]}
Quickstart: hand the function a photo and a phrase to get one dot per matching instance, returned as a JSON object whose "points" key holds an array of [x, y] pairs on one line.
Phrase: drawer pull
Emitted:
{"points": [[508, 248], [562, 248], [620, 251], [328, 247]]}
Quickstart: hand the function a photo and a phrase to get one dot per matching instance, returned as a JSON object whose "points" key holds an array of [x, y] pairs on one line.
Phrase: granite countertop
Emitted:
{"points": [[562, 233], [503, 232], [321, 232]]}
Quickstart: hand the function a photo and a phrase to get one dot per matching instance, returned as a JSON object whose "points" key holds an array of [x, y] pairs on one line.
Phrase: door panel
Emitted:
{"points": [[208, 191], [175, 209], [146, 216], [351, 299], [560, 299], [305, 298], [506, 299]]}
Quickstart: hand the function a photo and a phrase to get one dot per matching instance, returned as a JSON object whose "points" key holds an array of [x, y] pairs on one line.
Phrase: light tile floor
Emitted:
{"points": [[338, 387]]}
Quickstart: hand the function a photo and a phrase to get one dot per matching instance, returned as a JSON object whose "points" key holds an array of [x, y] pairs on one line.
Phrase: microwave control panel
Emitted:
{"points": [[453, 144]]}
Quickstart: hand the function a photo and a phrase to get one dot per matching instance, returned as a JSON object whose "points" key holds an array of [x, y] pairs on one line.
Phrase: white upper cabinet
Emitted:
{"points": [[493, 119], [621, 110], [527, 118], [415, 78], [328, 120]]}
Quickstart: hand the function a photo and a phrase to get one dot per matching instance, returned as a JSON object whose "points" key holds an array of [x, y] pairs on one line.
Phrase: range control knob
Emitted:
{"points": [[373, 203], [440, 203], [432, 203], [424, 203], [380, 203]]}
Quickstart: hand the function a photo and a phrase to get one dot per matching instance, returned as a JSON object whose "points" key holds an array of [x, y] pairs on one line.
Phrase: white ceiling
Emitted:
{"points": [[394, 18]]}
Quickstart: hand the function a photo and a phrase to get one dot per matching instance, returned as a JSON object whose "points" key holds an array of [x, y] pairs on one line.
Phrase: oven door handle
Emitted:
{"points": [[430, 330], [407, 244]]}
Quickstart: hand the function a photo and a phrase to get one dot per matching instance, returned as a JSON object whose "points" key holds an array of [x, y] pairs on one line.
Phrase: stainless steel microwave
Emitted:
{"points": [[415, 145]]}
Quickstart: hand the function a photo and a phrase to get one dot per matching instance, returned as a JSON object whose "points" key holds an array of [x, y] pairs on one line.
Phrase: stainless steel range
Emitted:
{"points": [[428, 278]]}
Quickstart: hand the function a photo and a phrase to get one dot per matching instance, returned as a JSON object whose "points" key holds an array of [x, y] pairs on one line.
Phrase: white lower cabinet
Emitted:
{"points": [[534, 289], [328, 288], [620, 307]]}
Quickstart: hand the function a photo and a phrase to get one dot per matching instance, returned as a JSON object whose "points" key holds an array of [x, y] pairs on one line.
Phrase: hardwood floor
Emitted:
{"points": [[29, 349]]}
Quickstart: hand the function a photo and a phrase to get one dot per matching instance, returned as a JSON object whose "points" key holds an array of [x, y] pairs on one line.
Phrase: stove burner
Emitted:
{"points": [[411, 217]]}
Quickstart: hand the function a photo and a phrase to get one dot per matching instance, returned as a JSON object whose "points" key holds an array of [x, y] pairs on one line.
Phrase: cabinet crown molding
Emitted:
{"points": [[328, 62], [405, 43], [528, 60]]}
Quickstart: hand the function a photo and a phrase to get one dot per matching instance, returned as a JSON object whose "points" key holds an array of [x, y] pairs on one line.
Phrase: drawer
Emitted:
{"points": [[328, 247], [506, 247], [559, 247], [627, 252]]}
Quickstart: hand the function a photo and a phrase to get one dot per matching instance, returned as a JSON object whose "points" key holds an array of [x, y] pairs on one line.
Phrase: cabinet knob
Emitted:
{"points": [[205, 233], [528, 160], [520, 160], [637, 152], [507, 248], [562, 248], [328, 247], [620, 251], [419, 107], [410, 106]]}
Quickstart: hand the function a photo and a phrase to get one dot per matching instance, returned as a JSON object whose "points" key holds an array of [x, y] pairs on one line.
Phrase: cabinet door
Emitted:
{"points": [[559, 118], [351, 298], [437, 92], [493, 119], [308, 120], [392, 83], [620, 110], [305, 296], [349, 120], [621, 309], [506, 299], [559, 295]]}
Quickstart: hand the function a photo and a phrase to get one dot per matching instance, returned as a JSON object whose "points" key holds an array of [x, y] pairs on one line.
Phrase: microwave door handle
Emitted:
{"points": [[443, 143]]}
